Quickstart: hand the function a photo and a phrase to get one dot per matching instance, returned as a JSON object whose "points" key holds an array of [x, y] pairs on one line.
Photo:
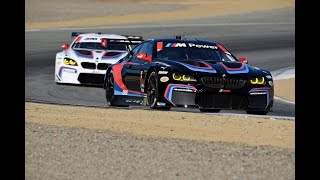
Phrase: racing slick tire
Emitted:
{"points": [[210, 110], [152, 92], [110, 97], [257, 112]]}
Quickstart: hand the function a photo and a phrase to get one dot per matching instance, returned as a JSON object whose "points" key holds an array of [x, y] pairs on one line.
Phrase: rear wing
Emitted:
{"points": [[131, 40]]}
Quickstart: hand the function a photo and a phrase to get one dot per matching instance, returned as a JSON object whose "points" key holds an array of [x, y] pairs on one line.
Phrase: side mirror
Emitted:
{"points": [[243, 60], [65, 46], [143, 56]]}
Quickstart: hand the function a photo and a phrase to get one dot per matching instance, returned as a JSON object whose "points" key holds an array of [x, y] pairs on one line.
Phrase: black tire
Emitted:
{"points": [[257, 112], [210, 110], [110, 91], [152, 92]]}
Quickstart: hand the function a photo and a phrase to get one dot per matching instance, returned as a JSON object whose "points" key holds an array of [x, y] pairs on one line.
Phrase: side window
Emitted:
{"points": [[147, 48], [135, 50]]}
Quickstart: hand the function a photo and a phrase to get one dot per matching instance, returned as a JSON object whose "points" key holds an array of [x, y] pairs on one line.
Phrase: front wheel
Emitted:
{"points": [[110, 97], [152, 92], [258, 112]]}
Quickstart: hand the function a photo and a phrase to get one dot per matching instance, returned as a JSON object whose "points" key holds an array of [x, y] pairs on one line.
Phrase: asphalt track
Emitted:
{"points": [[266, 38]]}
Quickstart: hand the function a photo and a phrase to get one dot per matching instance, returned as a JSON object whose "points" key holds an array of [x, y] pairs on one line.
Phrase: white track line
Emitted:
{"points": [[279, 98], [254, 116], [158, 26]]}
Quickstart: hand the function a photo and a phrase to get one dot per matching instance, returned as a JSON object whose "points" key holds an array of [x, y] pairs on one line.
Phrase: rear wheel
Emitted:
{"points": [[152, 92], [258, 112], [210, 110]]}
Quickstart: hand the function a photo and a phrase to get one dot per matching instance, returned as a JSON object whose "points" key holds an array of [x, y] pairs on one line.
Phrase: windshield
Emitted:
{"points": [[198, 52], [97, 45]]}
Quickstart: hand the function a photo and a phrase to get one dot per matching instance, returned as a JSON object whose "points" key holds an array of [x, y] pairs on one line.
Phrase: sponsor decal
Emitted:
{"points": [[224, 90], [164, 79], [69, 70], [258, 93], [183, 90], [163, 72], [176, 45], [125, 92], [202, 46], [161, 104], [134, 101], [95, 71], [91, 38], [183, 45]]}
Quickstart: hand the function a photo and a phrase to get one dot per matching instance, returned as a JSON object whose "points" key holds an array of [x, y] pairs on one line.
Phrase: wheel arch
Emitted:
{"points": [[105, 76], [150, 70]]}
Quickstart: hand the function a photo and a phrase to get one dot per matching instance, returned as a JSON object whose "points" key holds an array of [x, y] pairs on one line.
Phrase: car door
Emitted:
{"points": [[136, 68]]}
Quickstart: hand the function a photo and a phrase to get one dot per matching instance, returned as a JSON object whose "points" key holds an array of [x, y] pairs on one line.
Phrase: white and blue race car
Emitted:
{"points": [[86, 60]]}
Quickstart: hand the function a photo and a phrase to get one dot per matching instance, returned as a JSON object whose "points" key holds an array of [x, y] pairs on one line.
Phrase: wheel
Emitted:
{"points": [[110, 88], [152, 92], [258, 112], [210, 110], [110, 97]]}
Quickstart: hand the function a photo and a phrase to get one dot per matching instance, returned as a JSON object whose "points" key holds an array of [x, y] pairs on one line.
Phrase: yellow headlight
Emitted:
{"points": [[259, 80], [182, 77], [70, 62], [176, 77]]}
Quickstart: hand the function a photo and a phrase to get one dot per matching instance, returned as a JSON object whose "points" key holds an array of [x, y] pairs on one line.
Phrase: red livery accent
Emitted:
{"points": [[90, 56], [207, 66], [159, 46], [222, 48], [227, 68], [78, 39], [118, 77]]}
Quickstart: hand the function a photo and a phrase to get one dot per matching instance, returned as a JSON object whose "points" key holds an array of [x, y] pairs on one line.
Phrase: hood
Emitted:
{"points": [[214, 68], [108, 56]]}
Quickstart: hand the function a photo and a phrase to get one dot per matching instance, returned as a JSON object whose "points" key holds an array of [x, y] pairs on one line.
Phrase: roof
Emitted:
{"points": [[183, 40], [94, 37], [108, 36]]}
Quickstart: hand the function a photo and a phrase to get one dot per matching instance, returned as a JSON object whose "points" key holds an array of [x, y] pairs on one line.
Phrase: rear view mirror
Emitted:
{"points": [[243, 60], [143, 56], [65, 46]]}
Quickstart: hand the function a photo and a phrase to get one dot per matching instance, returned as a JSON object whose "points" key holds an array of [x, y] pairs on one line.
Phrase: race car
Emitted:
{"points": [[86, 60], [175, 72]]}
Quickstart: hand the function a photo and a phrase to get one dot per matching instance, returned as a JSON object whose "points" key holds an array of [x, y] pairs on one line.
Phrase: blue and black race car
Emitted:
{"points": [[175, 72]]}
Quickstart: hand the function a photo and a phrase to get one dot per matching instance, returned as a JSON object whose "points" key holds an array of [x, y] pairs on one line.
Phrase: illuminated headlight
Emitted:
{"points": [[259, 80], [70, 62], [183, 77]]}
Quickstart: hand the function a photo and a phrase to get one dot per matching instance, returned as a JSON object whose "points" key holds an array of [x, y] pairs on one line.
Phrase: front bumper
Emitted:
{"points": [[79, 75], [188, 95]]}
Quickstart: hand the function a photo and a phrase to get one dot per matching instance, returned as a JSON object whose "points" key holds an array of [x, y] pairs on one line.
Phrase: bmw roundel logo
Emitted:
{"points": [[224, 75]]}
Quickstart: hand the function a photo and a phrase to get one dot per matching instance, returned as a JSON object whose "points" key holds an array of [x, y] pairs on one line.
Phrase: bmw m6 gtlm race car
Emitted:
{"points": [[86, 60], [164, 73]]}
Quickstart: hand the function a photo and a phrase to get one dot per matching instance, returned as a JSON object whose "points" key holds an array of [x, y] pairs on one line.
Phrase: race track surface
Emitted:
{"points": [[266, 38]]}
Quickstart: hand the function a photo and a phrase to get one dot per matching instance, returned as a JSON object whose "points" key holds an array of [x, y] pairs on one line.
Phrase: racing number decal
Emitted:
{"points": [[104, 42]]}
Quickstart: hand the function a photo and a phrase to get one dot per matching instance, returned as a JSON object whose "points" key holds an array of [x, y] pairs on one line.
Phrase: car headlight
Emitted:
{"points": [[70, 62], [183, 77], [259, 80]]}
